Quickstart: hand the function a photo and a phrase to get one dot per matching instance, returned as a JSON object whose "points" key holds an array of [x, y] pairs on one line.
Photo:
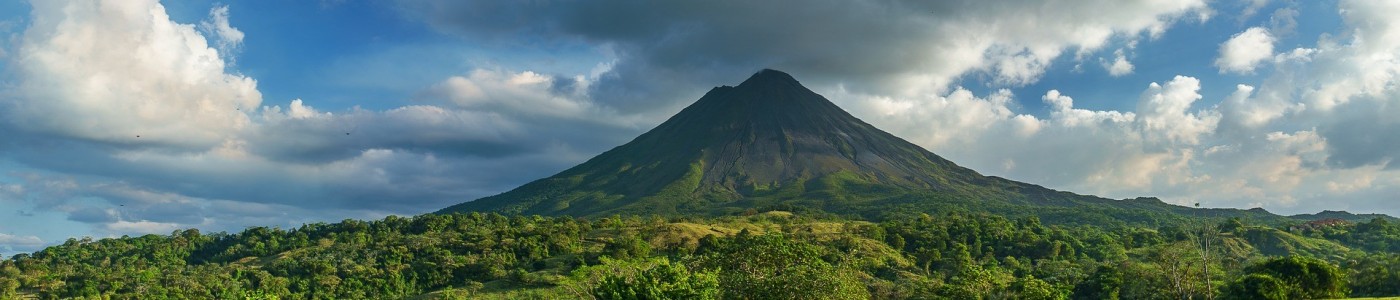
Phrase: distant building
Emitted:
{"points": [[1318, 224]]}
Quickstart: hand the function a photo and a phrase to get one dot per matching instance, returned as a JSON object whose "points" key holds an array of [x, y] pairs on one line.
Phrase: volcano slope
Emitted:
{"points": [[772, 144]]}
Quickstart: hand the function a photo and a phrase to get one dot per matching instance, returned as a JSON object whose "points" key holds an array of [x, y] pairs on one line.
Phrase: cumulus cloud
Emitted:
{"points": [[227, 37], [121, 72], [1164, 116], [1344, 88], [1312, 135], [1245, 50], [1123, 158], [1163, 147], [959, 109], [1361, 64], [1064, 113], [1119, 66]]}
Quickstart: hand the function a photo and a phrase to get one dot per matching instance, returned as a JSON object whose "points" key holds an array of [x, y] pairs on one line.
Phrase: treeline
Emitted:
{"points": [[774, 255]]}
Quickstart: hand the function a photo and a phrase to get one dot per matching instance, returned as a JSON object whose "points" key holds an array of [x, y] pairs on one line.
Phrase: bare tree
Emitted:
{"points": [[1201, 242]]}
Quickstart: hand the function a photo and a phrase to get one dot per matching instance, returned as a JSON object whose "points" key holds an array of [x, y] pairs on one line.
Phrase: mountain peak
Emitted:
{"points": [[767, 138], [767, 96], [770, 77]]}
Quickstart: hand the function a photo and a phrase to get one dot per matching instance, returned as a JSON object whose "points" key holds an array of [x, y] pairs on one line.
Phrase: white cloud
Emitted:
{"points": [[143, 227], [15, 240], [11, 244], [968, 114], [1243, 110], [1163, 112], [228, 38], [1245, 50], [1112, 153], [1310, 137], [523, 93], [115, 70], [1120, 65], [1063, 112], [1163, 148], [1363, 62]]}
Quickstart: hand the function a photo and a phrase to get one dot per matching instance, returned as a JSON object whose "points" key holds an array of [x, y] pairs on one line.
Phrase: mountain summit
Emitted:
{"points": [[771, 131], [770, 143], [768, 140]]}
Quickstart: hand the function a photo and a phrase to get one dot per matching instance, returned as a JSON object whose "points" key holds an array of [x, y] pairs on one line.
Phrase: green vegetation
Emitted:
{"points": [[1289, 278], [770, 255]]}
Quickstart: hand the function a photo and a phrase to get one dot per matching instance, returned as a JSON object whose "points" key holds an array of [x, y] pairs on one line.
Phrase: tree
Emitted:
{"points": [[972, 282], [1105, 283], [1306, 277], [1258, 286], [1030, 287], [629, 246], [897, 242], [775, 266], [1179, 265], [1208, 232], [1374, 275], [664, 280]]}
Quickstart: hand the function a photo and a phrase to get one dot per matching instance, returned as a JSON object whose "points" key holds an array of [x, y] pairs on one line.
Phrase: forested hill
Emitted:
{"points": [[766, 255], [1341, 215]]}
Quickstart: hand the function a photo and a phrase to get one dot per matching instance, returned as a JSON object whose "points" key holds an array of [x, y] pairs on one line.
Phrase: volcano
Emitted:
{"points": [[772, 144]]}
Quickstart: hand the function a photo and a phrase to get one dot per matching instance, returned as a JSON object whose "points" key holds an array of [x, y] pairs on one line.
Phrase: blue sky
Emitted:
{"points": [[143, 116]]}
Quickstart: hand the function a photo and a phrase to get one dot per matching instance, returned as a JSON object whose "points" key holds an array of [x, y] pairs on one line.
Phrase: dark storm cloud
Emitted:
{"points": [[666, 50]]}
